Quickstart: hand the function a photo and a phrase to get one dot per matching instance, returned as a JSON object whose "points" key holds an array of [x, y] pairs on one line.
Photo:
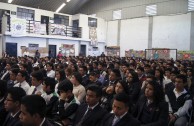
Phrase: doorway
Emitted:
{"points": [[45, 20], [11, 49], [52, 51], [75, 28], [83, 50]]}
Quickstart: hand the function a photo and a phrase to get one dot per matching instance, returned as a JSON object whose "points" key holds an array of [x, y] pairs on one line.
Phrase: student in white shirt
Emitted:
{"points": [[21, 79], [37, 78], [50, 71]]}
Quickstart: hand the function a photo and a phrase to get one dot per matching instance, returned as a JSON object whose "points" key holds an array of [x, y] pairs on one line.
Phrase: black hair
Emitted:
{"points": [[16, 93], [124, 85], [84, 68], [116, 72], [78, 77], [62, 75], [65, 85], [135, 76], [34, 104], [48, 81], [124, 98], [38, 75], [15, 71], [182, 77], [23, 73], [50, 64], [96, 89], [158, 94], [3, 88], [140, 68]]}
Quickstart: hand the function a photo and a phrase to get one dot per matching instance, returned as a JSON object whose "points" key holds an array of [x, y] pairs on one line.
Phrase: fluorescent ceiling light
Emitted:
{"points": [[151, 10], [9, 1], [62, 5], [68, 0], [190, 5]]}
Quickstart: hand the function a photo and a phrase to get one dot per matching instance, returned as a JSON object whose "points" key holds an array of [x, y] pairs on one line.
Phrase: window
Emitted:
{"points": [[25, 13], [151, 10], [92, 22], [61, 19], [117, 15], [190, 5]]}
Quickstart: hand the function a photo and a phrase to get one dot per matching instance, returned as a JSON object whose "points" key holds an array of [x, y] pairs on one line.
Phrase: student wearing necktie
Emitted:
{"points": [[121, 115], [37, 79], [12, 105], [90, 113]]}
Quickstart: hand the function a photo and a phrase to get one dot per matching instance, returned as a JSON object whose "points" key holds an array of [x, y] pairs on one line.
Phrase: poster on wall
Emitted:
{"points": [[93, 36], [42, 50], [185, 55], [67, 49], [58, 29], [18, 27], [113, 50], [135, 53], [93, 51], [39, 28]]}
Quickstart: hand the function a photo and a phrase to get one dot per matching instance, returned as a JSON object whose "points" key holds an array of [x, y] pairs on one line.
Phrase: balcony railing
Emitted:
{"points": [[50, 29]]}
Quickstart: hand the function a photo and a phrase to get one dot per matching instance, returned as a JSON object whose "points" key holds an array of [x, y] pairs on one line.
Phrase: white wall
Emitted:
{"points": [[25, 41], [134, 34], [112, 33], [83, 22], [101, 30], [172, 32]]}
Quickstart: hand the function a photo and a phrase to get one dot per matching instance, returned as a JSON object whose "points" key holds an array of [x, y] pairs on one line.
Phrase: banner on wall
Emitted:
{"points": [[113, 50], [18, 27], [185, 55], [39, 28], [42, 50], [93, 36], [93, 51], [58, 29], [135, 53], [67, 49]]}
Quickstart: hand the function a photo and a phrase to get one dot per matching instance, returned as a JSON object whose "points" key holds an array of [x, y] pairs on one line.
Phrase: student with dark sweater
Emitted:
{"points": [[50, 96], [3, 93], [68, 103], [12, 105], [90, 113], [180, 102], [121, 115], [151, 109]]}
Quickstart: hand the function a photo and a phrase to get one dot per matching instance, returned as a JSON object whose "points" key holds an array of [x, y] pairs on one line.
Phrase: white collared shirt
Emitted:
{"points": [[1, 99], [51, 74], [4, 74], [179, 94], [24, 85], [15, 114], [38, 89], [42, 122]]}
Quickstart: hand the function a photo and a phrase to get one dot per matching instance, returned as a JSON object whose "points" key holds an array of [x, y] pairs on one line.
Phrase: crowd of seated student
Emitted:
{"points": [[95, 91]]}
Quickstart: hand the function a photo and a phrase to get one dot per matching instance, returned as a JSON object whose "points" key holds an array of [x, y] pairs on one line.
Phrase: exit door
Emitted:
{"points": [[83, 50]]}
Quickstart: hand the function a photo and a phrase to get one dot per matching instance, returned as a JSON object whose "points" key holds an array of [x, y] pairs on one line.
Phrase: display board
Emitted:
{"points": [[113, 51]]}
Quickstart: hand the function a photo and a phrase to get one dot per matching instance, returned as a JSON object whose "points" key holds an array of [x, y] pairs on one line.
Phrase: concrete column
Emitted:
{"points": [[119, 33], [150, 30], [192, 32], [1, 45], [4, 24]]}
